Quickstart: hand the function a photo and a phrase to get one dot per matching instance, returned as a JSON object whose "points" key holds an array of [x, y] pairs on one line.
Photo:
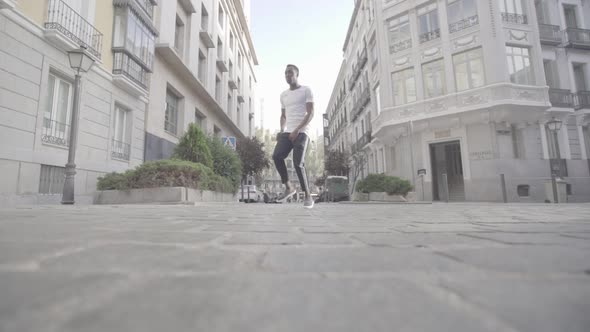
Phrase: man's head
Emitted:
{"points": [[291, 74]]}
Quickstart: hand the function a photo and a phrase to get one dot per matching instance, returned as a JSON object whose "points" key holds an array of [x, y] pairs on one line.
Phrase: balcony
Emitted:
{"points": [[464, 24], [400, 46], [232, 83], [120, 150], [206, 39], [147, 6], [582, 100], [550, 34], [222, 66], [69, 30], [561, 98], [362, 142], [514, 18], [241, 99], [359, 106], [55, 133], [129, 74], [362, 59], [578, 38], [430, 35]]}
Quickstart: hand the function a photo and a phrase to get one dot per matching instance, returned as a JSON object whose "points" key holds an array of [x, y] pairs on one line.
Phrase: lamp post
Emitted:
{"points": [[554, 126], [81, 62]]}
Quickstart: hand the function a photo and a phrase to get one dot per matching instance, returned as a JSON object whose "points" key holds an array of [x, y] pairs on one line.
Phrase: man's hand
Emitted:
{"points": [[293, 135]]}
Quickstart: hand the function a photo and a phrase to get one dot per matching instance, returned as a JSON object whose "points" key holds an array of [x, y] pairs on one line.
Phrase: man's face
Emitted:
{"points": [[291, 75]]}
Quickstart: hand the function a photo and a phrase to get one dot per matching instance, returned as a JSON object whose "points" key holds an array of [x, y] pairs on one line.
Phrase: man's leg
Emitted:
{"points": [[282, 150], [299, 149]]}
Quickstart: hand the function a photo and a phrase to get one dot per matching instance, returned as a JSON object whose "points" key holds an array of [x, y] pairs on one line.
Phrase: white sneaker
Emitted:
{"points": [[308, 203]]}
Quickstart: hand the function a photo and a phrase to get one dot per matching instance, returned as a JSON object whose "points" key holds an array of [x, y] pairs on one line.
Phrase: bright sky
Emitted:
{"points": [[307, 33]]}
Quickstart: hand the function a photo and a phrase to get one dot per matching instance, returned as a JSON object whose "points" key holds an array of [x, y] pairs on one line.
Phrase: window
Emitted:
{"points": [[551, 74], [393, 158], [462, 14], [56, 119], [219, 49], [204, 18], [216, 131], [404, 86], [52, 179], [250, 82], [240, 59], [513, 11], [586, 134], [580, 76], [434, 78], [399, 34], [238, 116], [171, 114], [121, 147], [378, 98], [200, 120], [374, 52], [220, 16], [428, 23], [523, 190], [229, 104], [218, 88], [202, 68], [570, 16], [518, 142], [231, 40], [519, 65], [552, 144], [230, 71], [179, 36], [469, 71]]}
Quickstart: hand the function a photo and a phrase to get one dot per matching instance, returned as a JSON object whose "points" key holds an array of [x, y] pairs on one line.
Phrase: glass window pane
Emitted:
{"points": [[62, 102], [50, 92]]}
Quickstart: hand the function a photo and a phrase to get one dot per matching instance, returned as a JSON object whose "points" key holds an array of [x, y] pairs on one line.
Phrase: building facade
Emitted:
{"points": [[123, 98], [203, 73], [462, 92]]}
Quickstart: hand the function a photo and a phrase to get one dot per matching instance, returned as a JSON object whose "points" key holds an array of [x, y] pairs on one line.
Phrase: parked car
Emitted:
{"points": [[249, 194]]}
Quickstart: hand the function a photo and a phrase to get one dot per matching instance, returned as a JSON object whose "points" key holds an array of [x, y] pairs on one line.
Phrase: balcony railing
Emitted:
{"points": [[550, 34], [363, 58], [582, 100], [147, 6], [120, 150], [128, 67], [464, 23], [361, 103], [579, 38], [561, 98], [514, 18], [66, 20], [400, 46], [55, 133], [362, 142], [430, 35]]}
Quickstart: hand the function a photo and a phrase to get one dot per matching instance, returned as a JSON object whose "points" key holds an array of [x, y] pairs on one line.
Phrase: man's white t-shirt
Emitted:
{"points": [[294, 104]]}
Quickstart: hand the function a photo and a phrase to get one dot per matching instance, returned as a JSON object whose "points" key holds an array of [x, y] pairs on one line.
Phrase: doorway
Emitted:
{"points": [[445, 158]]}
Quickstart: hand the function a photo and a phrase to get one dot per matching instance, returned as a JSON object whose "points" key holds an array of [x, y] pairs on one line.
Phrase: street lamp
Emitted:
{"points": [[81, 62]]}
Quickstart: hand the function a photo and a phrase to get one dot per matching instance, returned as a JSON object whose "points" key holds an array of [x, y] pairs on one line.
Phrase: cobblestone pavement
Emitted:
{"points": [[257, 267]]}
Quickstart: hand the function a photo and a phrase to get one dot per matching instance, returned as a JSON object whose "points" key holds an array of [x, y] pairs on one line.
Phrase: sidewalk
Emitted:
{"points": [[271, 267]]}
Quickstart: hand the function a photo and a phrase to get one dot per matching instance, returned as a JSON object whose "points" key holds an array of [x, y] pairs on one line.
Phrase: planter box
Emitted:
{"points": [[360, 197], [384, 197], [168, 195]]}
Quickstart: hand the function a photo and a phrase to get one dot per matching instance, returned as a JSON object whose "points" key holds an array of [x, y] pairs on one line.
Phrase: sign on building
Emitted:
{"points": [[229, 141]]}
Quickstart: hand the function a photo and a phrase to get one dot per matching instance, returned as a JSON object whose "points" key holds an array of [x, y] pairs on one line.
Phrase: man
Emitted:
{"points": [[296, 114]]}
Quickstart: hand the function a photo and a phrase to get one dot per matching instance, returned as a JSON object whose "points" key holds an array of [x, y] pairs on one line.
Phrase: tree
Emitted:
{"points": [[337, 163], [253, 157], [359, 160], [225, 160], [193, 147]]}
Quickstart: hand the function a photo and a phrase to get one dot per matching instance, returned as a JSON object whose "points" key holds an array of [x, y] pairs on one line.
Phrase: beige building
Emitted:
{"points": [[465, 91], [146, 51]]}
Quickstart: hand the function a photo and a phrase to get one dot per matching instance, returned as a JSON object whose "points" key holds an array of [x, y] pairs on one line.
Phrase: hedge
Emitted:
{"points": [[167, 173], [384, 183]]}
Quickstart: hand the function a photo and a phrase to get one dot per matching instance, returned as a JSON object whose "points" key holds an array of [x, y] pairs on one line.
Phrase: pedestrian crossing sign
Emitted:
{"points": [[229, 141]]}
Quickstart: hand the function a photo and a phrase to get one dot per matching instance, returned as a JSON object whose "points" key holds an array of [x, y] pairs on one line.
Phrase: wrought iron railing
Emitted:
{"points": [[582, 99], [464, 23], [578, 37], [514, 18], [430, 35], [400, 46], [55, 133], [66, 20], [120, 150], [360, 104], [363, 58], [550, 34], [561, 98], [128, 67], [363, 141]]}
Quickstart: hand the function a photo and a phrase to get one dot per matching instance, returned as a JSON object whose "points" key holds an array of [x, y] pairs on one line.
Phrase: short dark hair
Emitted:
{"points": [[296, 68]]}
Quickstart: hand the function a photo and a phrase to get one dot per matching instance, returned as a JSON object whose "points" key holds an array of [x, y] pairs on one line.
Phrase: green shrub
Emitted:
{"points": [[193, 147], [167, 173], [226, 162], [384, 183]]}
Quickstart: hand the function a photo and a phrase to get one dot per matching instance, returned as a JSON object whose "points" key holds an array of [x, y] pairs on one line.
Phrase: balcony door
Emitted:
{"points": [[570, 16]]}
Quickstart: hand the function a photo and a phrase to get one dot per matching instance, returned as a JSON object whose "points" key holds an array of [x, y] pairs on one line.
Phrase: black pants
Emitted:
{"points": [[282, 150]]}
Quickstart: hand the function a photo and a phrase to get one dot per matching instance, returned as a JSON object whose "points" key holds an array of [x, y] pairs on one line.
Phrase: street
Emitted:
{"points": [[270, 267]]}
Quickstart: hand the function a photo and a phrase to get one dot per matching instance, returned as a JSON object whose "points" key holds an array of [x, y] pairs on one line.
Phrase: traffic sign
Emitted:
{"points": [[229, 141]]}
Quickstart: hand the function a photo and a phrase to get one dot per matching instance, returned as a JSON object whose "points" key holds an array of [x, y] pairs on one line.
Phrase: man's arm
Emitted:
{"points": [[283, 120], [308, 116]]}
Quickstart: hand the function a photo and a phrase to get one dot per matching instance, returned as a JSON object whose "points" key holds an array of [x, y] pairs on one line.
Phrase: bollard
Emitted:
{"points": [[554, 185], [503, 183], [445, 186]]}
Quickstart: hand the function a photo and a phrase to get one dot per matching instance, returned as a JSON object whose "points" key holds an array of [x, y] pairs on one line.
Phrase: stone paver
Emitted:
{"points": [[257, 267]]}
